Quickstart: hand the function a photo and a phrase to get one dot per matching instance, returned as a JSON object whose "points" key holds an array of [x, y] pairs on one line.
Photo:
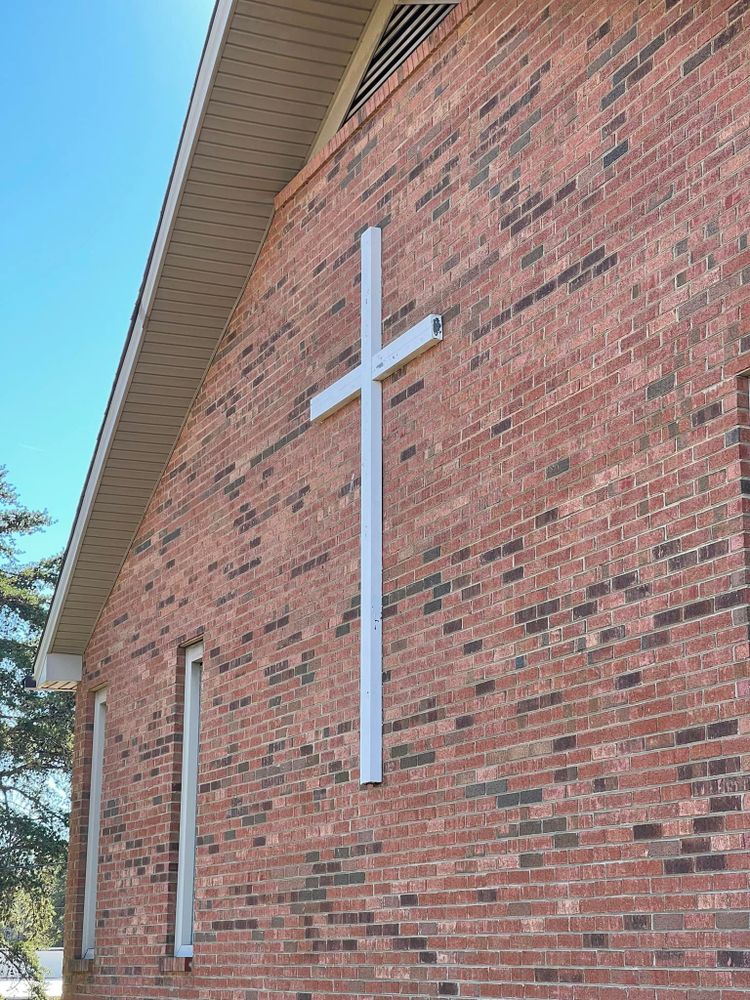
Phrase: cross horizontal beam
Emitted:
{"points": [[337, 395], [416, 341], [409, 345]]}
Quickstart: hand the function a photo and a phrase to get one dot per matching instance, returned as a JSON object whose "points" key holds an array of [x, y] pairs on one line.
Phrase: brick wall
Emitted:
{"points": [[566, 685]]}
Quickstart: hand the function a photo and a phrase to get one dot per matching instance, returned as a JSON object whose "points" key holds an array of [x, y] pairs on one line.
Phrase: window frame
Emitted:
{"points": [[191, 719], [91, 877]]}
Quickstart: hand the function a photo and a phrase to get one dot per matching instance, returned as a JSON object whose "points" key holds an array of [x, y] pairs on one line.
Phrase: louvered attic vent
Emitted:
{"points": [[407, 28]]}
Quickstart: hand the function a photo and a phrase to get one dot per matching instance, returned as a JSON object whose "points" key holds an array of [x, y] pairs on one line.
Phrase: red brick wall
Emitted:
{"points": [[566, 683]]}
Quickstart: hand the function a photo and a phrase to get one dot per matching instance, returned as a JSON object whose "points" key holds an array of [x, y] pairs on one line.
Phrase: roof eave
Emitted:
{"points": [[215, 39]]}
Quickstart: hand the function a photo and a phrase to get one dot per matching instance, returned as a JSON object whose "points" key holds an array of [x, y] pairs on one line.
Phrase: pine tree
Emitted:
{"points": [[35, 749]]}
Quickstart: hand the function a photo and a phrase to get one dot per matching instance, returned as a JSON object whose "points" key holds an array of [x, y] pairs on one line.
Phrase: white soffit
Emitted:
{"points": [[274, 75]]}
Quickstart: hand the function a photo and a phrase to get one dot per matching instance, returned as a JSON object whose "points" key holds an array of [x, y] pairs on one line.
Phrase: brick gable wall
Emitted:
{"points": [[565, 629]]}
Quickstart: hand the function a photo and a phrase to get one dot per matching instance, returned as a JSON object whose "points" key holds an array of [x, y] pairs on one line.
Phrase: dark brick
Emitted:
{"points": [[678, 866], [513, 546], [699, 609], [665, 618], [695, 845], [638, 74], [596, 941], [711, 863], [608, 635], [661, 386], [708, 824], [636, 921], [696, 60], [417, 760], [679, 24], [702, 416], [730, 600], [558, 468], [693, 735], [716, 730], [654, 639], [546, 975], [653, 46], [532, 257], [531, 860], [541, 520], [725, 37], [538, 625], [647, 831], [628, 680], [565, 774], [563, 743], [612, 96], [725, 803], [584, 610], [530, 795], [666, 549], [519, 144], [733, 959]]}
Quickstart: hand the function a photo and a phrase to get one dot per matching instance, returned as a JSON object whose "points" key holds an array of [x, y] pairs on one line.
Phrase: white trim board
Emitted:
{"points": [[183, 937], [88, 935]]}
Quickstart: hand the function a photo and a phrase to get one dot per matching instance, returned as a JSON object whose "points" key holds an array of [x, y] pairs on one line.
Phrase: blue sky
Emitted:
{"points": [[94, 93]]}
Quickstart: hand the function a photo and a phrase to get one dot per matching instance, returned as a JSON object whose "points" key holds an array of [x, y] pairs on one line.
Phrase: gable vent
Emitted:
{"points": [[407, 28]]}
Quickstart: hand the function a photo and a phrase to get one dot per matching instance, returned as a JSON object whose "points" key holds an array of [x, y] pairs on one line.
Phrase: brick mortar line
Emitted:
{"points": [[563, 641], [506, 771], [481, 817], [500, 842], [453, 969]]}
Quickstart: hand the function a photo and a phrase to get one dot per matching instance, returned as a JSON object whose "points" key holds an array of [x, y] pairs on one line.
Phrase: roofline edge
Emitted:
{"points": [[215, 39]]}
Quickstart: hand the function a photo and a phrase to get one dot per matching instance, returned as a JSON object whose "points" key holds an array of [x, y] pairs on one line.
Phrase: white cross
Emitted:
{"points": [[377, 363]]}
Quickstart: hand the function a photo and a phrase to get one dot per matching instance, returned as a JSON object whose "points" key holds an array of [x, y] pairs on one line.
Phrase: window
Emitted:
{"points": [[88, 943], [188, 802]]}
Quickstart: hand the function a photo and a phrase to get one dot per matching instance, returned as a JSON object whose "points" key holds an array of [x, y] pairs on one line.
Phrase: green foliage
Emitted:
{"points": [[53, 936], [35, 749]]}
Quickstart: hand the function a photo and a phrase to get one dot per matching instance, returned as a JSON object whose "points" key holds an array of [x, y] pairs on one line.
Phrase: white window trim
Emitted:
{"points": [[88, 938], [183, 947]]}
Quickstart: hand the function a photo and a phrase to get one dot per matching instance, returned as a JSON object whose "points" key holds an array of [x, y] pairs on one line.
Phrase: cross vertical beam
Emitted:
{"points": [[371, 533], [377, 363]]}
